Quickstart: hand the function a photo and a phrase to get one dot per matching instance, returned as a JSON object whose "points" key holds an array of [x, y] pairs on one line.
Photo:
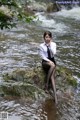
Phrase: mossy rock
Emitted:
{"points": [[27, 82], [23, 90], [31, 75], [66, 76]]}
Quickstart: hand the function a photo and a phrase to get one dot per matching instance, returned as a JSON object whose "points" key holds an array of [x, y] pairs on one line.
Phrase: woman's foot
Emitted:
{"points": [[46, 88]]}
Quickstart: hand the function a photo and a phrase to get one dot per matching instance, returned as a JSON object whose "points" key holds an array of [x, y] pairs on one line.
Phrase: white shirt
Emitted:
{"points": [[43, 50]]}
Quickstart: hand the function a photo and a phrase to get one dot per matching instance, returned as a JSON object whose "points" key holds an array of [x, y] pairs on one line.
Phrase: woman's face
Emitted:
{"points": [[47, 39]]}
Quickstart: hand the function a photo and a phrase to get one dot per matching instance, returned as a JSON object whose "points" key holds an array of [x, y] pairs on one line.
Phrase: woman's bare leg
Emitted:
{"points": [[53, 85], [50, 72], [51, 75]]}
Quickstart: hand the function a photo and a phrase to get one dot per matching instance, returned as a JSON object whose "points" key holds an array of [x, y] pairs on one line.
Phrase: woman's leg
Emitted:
{"points": [[51, 76], [53, 85], [51, 73]]}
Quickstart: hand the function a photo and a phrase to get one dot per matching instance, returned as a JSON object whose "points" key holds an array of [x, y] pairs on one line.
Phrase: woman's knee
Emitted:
{"points": [[53, 66]]}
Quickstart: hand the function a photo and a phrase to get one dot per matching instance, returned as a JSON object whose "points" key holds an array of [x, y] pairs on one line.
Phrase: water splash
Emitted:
{"points": [[50, 23], [73, 13]]}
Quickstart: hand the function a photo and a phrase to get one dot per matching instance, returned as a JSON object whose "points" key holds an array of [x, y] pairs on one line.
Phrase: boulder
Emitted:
{"points": [[30, 83], [53, 7], [36, 6]]}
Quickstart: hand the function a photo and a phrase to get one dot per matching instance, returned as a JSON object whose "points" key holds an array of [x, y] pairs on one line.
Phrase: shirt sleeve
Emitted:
{"points": [[42, 55]]}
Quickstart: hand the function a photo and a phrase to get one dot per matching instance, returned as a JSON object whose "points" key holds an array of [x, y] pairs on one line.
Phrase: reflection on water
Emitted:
{"points": [[50, 110]]}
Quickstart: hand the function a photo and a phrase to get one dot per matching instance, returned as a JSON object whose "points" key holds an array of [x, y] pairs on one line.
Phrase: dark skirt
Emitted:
{"points": [[46, 66]]}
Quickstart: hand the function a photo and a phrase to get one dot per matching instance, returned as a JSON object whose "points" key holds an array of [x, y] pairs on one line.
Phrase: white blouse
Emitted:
{"points": [[43, 50]]}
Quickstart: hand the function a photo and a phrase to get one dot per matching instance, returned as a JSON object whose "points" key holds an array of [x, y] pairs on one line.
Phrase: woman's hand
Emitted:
{"points": [[50, 62]]}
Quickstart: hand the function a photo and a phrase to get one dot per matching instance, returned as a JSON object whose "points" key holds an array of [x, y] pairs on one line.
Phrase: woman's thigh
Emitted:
{"points": [[45, 66]]}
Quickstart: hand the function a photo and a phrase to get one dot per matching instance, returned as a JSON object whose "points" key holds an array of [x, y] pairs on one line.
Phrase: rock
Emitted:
{"points": [[23, 90], [36, 6], [53, 7], [30, 83], [1, 92], [5, 12]]}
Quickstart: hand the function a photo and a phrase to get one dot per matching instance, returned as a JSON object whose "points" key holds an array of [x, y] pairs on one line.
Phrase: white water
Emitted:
{"points": [[74, 13], [59, 27], [51, 23]]}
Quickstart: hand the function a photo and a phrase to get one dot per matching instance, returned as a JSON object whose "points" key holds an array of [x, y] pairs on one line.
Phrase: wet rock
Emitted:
{"points": [[1, 95], [36, 6], [78, 116], [53, 7], [24, 90], [1, 92], [30, 83]]}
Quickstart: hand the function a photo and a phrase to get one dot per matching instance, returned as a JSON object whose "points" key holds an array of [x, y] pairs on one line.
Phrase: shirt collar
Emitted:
{"points": [[46, 44]]}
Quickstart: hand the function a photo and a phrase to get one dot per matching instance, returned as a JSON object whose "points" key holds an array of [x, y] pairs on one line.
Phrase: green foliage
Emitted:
{"points": [[72, 81], [66, 74], [8, 2], [5, 22], [10, 11]]}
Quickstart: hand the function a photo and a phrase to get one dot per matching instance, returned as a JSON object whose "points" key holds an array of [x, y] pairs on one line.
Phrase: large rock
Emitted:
{"points": [[53, 7], [36, 6], [30, 83]]}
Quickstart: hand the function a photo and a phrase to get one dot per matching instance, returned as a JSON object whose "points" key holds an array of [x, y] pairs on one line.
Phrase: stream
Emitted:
{"points": [[19, 49]]}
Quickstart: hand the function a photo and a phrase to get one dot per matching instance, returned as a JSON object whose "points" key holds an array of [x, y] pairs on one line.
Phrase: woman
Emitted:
{"points": [[47, 52]]}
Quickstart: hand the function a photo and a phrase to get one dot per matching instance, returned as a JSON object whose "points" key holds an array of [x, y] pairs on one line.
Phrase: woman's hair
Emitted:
{"points": [[47, 33]]}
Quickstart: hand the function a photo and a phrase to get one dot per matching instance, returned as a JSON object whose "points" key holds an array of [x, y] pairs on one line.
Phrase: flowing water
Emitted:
{"points": [[19, 49]]}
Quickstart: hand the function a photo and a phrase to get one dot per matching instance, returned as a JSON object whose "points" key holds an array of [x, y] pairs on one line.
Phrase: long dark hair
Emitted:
{"points": [[47, 33]]}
